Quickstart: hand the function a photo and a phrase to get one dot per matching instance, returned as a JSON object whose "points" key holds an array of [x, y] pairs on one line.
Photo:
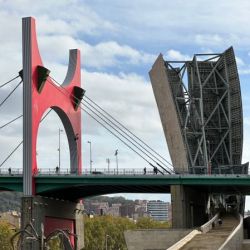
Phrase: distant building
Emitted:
{"points": [[100, 208], [159, 210], [128, 210], [114, 210]]}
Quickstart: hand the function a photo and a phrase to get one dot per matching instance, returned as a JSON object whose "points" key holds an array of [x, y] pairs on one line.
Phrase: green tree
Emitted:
{"points": [[5, 235], [101, 228], [149, 223], [54, 244]]}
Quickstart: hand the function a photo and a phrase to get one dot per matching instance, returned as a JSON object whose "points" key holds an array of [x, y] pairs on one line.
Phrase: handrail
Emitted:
{"points": [[237, 232], [179, 244], [209, 225], [204, 229]]}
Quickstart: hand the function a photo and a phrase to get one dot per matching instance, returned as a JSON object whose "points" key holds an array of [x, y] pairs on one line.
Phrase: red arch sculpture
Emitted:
{"points": [[41, 93]]}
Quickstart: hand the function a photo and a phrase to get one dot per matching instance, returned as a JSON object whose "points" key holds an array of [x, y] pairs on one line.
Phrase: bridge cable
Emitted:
{"points": [[10, 93], [168, 171], [46, 115], [152, 155], [8, 81], [124, 132], [127, 129], [15, 149], [6, 124], [59, 89], [22, 116], [121, 129], [115, 129], [135, 151]]}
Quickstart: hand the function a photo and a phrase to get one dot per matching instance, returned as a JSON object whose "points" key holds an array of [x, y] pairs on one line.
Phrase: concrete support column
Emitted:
{"points": [[188, 207], [79, 226], [51, 214], [31, 214]]}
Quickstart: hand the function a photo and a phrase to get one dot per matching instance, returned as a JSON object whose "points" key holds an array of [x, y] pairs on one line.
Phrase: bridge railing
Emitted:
{"points": [[11, 171], [94, 172], [101, 171]]}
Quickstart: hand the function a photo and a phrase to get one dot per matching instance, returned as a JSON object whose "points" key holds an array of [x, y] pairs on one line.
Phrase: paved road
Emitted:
{"points": [[215, 238]]}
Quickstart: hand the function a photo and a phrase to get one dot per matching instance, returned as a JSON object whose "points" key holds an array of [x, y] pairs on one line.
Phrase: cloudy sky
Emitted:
{"points": [[119, 41]]}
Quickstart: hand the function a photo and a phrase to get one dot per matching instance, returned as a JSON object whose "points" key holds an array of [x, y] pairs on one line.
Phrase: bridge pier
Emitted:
{"points": [[188, 207], [47, 215]]}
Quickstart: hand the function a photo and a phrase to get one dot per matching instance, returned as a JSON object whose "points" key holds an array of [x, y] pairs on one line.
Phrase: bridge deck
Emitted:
{"points": [[215, 238], [74, 187]]}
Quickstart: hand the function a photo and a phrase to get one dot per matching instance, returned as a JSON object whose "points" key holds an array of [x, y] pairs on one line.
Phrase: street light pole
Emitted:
{"points": [[59, 148], [116, 157], [108, 161], [107, 241], [90, 156]]}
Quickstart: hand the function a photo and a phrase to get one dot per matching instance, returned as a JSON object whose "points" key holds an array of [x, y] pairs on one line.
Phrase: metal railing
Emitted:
{"points": [[87, 172], [105, 171]]}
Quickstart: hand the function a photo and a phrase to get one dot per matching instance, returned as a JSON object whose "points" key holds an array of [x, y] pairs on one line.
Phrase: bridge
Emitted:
{"points": [[202, 121], [72, 187]]}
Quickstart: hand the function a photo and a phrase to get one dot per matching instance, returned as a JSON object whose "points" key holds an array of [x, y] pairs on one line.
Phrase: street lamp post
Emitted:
{"points": [[106, 241], [108, 161], [90, 156], [59, 148], [116, 157]]}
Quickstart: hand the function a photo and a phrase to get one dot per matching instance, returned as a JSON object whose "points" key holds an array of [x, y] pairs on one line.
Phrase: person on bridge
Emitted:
{"points": [[144, 171], [9, 170], [155, 170], [57, 170]]}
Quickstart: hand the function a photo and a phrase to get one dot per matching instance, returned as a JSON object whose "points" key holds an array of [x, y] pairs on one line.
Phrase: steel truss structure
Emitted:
{"points": [[209, 111]]}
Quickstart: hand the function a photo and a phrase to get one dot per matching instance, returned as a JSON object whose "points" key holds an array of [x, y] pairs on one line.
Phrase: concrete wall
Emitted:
{"points": [[153, 239], [245, 245], [188, 207], [169, 118]]}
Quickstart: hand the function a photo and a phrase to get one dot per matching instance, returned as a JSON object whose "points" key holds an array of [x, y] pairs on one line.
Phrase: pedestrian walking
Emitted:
{"points": [[220, 221]]}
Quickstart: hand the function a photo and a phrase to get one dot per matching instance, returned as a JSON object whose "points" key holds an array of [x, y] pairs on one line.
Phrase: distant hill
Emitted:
{"points": [[10, 201]]}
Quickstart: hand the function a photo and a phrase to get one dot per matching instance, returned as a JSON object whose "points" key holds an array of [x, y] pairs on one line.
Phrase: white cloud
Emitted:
{"points": [[243, 68], [208, 39], [239, 61], [72, 17], [111, 53], [101, 55], [128, 97], [176, 55]]}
